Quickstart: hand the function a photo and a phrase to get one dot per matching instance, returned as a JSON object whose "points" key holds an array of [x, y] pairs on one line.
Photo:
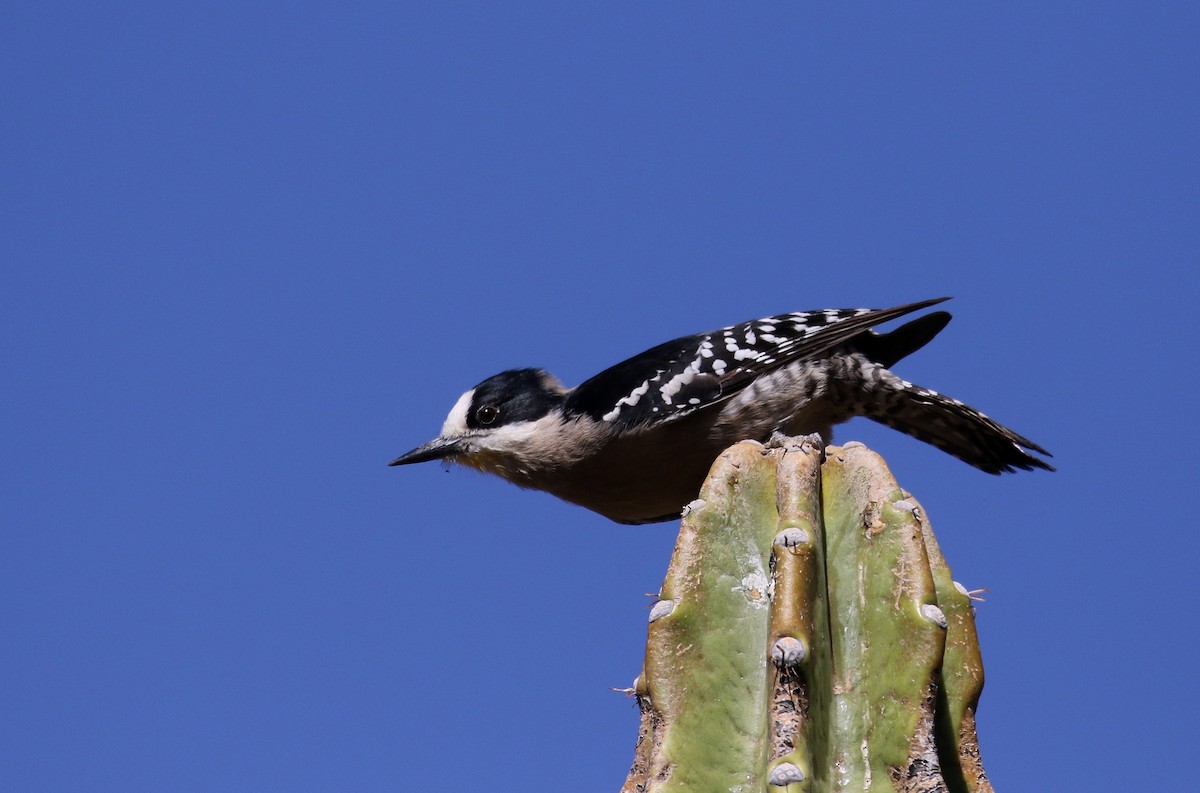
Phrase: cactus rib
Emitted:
{"points": [[814, 642]]}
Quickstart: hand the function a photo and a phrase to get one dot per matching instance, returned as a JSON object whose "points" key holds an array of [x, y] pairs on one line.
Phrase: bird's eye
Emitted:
{"points": [[487, 414]]}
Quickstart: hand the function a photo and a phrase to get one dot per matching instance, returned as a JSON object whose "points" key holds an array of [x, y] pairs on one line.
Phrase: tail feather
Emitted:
{"points": [[954, 428], [888, 348]]}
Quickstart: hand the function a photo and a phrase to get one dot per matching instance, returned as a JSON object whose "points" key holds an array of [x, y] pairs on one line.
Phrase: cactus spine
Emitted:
{"points": [[809, 637]]}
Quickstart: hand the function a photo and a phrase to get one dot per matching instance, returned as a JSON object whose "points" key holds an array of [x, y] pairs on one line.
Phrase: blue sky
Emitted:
{"points": [[253, 251]]}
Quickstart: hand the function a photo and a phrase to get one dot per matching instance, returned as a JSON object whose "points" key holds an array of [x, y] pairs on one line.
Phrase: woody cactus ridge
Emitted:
{"points": [[808, 637]]}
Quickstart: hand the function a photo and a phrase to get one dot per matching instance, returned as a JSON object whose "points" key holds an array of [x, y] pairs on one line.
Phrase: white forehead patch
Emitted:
{"points": [[456, 422]]}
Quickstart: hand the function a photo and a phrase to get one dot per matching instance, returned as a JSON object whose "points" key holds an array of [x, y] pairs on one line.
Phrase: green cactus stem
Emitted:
{"points": [[808, 637]]}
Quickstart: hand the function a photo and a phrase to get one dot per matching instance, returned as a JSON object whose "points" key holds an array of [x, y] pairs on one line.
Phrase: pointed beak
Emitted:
{"points": [[436, 449]]}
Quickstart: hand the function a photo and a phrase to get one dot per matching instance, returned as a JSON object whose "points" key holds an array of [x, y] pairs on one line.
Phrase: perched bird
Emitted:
{"points": [[635, 442]]}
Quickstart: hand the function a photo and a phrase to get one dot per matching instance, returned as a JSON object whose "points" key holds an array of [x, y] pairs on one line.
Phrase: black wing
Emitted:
{"points": [[689, 373]]}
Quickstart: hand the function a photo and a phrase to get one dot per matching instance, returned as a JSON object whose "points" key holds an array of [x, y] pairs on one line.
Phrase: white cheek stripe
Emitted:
{"points": [[510, 438], [456, 422]]}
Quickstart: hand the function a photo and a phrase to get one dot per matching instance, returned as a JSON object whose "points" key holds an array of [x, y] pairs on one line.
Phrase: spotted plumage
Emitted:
{"points": [[635, 441]]}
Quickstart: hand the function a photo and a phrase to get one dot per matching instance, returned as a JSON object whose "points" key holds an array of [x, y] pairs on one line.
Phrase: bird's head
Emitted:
{"points": [[493, 421]]}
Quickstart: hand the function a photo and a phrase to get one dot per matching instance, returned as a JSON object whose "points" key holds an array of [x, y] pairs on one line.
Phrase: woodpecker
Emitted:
{"points": [[635, 442]]}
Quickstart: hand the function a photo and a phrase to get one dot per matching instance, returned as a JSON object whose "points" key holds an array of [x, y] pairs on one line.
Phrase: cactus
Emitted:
{"points": [[808, 637]]}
